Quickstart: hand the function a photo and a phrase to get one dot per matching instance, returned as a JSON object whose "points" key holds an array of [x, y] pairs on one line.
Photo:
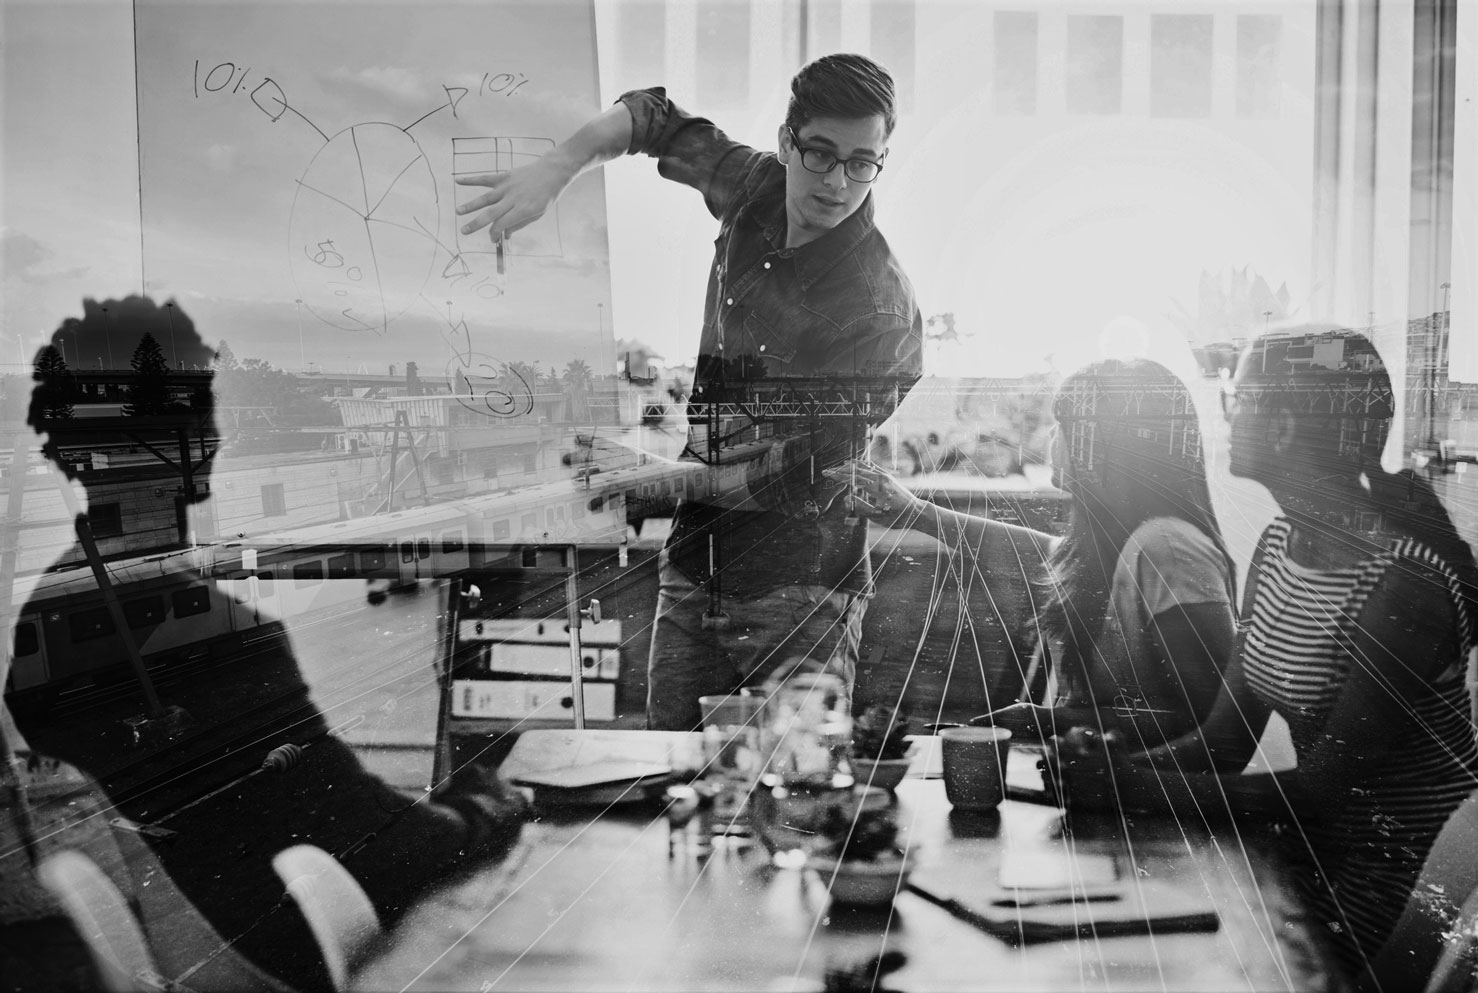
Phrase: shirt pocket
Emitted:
{"points": [[767, 341]]}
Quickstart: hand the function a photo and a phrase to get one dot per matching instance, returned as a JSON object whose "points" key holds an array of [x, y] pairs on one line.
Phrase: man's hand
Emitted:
{"points": [[514, 199], [874, 493]]}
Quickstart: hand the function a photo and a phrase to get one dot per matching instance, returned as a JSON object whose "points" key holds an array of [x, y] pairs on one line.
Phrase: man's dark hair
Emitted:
{"points": [[843, 86]]}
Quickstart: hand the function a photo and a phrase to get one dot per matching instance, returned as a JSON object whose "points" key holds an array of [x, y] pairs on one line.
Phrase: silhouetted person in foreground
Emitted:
{"points": [[395, 844]]}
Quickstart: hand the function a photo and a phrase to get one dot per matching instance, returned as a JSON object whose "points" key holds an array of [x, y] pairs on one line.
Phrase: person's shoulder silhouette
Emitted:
{"points": [[219, 851]]}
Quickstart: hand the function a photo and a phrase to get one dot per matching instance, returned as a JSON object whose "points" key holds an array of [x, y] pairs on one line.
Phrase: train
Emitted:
{"points": [[190, 603]]}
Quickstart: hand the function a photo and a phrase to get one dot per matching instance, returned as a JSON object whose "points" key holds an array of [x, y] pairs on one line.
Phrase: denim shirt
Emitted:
{"points": [[837, 308]]}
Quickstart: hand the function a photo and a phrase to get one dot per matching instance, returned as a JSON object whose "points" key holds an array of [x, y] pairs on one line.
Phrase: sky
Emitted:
{"points": [[294, 178], [1048, 236]]}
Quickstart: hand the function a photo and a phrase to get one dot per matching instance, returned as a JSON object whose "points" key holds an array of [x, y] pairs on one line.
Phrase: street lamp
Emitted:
{"points": [[600, 323], [108, 338], [169, 313]]}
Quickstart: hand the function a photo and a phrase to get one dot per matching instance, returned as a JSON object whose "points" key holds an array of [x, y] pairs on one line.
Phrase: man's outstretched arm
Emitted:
{"points": [[520, 196]]}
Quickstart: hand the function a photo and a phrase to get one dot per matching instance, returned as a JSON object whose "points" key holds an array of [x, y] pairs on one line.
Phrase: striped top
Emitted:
{"points": [[1298, 655]]}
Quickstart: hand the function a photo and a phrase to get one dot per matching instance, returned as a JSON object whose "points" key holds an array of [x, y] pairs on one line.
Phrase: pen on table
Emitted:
{"points": [[1056, 899]]}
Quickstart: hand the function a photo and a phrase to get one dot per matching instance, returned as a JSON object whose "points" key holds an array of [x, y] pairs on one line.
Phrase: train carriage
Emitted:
{"points": [[186, 603], [65, 633]]}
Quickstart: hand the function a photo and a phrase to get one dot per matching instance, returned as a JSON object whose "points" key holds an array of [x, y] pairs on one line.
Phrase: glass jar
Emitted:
{"points": [[805, 730]]}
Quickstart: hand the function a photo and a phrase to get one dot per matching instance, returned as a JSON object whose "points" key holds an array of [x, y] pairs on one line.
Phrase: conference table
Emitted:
{"points": [[600, 896]]}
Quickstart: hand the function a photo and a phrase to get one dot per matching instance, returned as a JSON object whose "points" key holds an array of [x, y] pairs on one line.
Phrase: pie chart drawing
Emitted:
{"points": [[363, 228]]}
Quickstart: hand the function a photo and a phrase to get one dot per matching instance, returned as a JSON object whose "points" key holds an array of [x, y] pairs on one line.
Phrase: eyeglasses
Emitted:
{"points": [[819, 160]]}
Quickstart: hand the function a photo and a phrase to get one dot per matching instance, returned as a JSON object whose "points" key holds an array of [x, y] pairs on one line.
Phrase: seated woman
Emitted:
{"points": [[1357, 628], [1138, 618]]}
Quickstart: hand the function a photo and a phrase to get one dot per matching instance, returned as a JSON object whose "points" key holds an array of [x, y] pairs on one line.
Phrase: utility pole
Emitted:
{"points": [[107, 338], [174, 356], [302, 360]]}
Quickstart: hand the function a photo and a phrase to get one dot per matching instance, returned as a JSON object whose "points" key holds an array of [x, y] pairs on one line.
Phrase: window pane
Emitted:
{"points": [[274, 502], [307, 574], [142, 613], [1015, 62], [105, 519], [87, 625], [26, 641], [641, 28], [187, 603], [1180, 65], [1095, 64], [894, 45], [723, 28], [1259, 60]]}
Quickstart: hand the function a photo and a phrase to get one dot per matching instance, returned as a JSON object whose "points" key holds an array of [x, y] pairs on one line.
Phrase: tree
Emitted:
{"points": [[946, 324], [638, 356], [577, 373], [53, 394], [264, 406], [577, 383], [260, 395], [225, 360], [522, 375], [1233, 305], [148, 388]]}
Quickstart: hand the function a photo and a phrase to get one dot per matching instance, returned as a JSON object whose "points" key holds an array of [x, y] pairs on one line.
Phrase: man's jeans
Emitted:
{"points": [[688, 661]]}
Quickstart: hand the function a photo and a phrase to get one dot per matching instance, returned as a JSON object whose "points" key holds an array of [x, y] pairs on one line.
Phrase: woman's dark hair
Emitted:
{"points": [[1135, 418], [843, 86], [1347, 439]]}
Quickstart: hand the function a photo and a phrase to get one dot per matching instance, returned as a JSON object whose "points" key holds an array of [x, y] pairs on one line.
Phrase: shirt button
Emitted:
{"points": [[730, 301], [767, 265]]}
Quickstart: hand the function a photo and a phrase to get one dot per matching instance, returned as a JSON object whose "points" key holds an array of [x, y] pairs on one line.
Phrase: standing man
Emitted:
{"points": [[804, 293]]}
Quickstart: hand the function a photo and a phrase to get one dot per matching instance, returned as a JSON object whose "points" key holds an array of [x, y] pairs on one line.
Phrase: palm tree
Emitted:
{"points": [[577, 383], [525, 373], [520, 381]]}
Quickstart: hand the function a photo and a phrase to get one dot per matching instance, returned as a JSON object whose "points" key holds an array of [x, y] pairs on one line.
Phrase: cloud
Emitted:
{"points": [[389, 89], [222, 158], [22, 252], [28, 260]]}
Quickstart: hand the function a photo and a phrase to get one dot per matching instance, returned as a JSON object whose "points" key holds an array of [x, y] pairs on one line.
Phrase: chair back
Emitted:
{"points": [[341, 916], [1433, 945], [1457, 969], [102, 917]]}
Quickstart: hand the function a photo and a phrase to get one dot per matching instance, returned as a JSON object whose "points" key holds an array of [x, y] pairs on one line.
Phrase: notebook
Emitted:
{"points": [[602, 782], [1050, 894]]}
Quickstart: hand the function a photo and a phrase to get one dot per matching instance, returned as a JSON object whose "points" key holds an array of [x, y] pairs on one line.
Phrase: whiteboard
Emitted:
{"points": [[296, 193]]}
